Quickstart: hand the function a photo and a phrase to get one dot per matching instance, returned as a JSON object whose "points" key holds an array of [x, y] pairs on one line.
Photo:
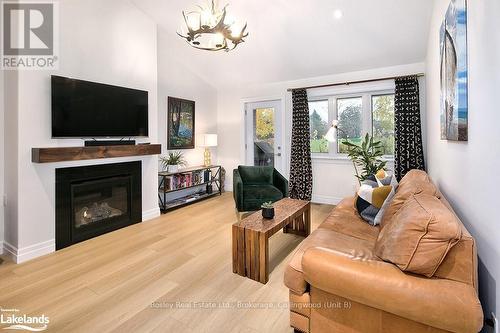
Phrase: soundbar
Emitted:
{"points": [[95, 143]]}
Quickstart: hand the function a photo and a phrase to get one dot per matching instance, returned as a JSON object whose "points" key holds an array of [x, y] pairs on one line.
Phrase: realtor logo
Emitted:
{"points": [[13, 319], [29, 35]]}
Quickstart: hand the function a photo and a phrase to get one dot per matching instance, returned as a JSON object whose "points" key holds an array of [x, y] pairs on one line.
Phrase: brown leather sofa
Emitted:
{"points": [[338, 284]]}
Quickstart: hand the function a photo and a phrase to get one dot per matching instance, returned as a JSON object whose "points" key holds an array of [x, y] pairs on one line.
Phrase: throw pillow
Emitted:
{"points": [[415, 176], [384, 178], [405, 191], [420, 236], [394, 183], [371, 197]]}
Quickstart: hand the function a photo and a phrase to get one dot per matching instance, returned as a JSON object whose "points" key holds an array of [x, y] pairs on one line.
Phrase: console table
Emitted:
{"points": [[201, 177]]}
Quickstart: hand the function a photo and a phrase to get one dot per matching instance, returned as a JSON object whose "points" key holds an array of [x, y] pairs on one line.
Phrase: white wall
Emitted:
{"points": [[467, 172], [104, 41], [333, 179], [177, 80], [2, 140], [11, 104]]}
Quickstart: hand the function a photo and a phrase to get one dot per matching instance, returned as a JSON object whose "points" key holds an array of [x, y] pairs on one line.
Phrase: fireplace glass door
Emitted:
{"points": [[99, 203], [96, 199]]}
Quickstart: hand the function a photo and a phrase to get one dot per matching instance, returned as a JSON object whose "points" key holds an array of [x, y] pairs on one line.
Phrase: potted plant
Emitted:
{"points": [[368, 157], [268, 210], [173, 161]]}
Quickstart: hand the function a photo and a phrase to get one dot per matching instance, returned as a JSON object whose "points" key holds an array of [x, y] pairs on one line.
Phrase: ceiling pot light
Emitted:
{"points": [[338, 14], [210, 29]]}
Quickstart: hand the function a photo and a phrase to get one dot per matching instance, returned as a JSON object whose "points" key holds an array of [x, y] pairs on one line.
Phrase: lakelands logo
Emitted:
{"points": [[14, 320], [30, 35]]}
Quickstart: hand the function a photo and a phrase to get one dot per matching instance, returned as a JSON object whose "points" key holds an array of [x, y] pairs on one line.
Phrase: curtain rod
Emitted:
{"points": [[354, 82]]}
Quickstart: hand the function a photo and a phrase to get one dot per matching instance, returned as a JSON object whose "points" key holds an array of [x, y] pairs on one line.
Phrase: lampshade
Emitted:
{"points": [[209, 140]]}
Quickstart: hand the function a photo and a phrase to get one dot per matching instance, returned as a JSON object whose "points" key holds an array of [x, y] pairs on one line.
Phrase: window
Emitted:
{"points": [[358, 112], [349, 112], [319, 125], [383, 121]]}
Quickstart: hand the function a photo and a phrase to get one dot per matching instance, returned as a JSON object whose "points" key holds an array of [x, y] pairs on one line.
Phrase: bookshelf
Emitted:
{"points": [[195, 179]]}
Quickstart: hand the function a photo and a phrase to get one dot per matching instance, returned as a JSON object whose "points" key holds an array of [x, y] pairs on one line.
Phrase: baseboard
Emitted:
{"points": [[1, 248], [325, 199], [150, 214], [10, 251], [30, 252]]}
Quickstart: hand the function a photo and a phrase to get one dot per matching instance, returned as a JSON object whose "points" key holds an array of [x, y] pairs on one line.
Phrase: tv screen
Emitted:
{"points": [[82, 109]]}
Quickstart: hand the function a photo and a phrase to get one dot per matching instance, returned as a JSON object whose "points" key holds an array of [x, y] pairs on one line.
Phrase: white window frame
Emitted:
{"points": [[330, 119], [366, 92]]}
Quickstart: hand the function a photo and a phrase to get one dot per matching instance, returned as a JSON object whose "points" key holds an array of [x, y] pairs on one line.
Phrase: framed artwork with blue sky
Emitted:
{"points": [[454, 73]]}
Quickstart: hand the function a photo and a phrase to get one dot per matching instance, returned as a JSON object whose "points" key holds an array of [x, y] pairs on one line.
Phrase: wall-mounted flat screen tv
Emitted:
{"points": [[82, 109]]}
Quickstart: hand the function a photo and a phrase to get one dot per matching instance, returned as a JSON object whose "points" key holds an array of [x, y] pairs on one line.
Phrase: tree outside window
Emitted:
{"points": [[264, 136], [349, 112], [264, 125], [383, 121], [318, 117]]}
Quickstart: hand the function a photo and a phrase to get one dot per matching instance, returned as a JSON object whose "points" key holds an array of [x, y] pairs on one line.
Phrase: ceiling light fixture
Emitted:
{"points": [[338, 14], [210, 29]]}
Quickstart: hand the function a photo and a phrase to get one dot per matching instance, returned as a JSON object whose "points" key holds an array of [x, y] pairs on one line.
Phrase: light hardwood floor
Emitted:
{"points": [[126, 281]]}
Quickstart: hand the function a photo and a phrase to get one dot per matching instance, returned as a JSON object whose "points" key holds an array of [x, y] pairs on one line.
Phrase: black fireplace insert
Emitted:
{"points": [[94, 200]]}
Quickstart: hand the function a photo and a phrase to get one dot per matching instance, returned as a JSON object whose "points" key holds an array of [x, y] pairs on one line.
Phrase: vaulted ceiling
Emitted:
{"points": [[294, 39]]}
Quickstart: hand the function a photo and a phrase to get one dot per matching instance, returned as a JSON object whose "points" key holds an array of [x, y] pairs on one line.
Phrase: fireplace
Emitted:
{"points": [[94, 200]]}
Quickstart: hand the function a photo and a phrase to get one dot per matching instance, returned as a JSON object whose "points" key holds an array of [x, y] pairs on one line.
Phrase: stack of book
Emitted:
{"points": [[185, 179]]}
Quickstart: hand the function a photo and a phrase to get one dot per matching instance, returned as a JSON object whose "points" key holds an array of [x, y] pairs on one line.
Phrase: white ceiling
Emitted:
{"points": [[294, 39]]}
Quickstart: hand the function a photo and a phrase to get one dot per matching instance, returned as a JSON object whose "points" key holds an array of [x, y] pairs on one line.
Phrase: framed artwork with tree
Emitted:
{"points": [[180, 123]]}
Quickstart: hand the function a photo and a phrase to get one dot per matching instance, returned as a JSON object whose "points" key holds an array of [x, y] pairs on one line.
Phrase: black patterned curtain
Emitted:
{"points": [[409, 152], [300, 165]]}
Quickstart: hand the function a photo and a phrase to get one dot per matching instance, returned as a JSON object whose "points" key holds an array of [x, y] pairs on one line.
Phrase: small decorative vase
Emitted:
{"points": [[173, 168], [268, 213]]}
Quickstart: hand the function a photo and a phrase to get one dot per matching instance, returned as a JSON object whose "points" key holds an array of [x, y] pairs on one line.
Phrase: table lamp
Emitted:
{"points": [[209, 140]]}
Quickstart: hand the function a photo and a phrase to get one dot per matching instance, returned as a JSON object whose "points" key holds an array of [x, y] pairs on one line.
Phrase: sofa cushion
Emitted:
{"points": [[354, 247], [261, 193], [406, 190], [384, 178], [383, 209], [420, 235], [460, 264], [345, 220], [256, 175], [370, 199], [415, 176]]}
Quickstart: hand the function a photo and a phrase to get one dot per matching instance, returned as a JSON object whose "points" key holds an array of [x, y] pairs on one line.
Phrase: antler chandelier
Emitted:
{"points": [[210, 29]]}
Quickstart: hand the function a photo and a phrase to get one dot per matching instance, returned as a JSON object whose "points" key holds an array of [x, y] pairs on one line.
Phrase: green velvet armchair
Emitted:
{"points": [[254, 185]]}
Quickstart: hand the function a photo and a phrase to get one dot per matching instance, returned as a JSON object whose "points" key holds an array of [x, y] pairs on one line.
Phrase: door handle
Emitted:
{"points": [[278, 154]]}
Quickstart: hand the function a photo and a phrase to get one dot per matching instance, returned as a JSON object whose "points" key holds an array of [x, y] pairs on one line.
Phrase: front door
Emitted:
{"points": [[263, 144]]}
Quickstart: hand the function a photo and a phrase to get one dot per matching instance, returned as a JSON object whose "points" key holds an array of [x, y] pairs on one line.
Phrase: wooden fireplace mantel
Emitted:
{"points": [[62, 154]]}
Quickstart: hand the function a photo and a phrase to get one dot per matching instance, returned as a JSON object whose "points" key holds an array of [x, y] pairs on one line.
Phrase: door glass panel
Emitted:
{"points": [[263, 136], [350, 121]]}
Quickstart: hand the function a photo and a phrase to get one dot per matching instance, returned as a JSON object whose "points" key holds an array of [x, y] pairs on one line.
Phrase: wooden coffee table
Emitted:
{"points": [[251, 236]]}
